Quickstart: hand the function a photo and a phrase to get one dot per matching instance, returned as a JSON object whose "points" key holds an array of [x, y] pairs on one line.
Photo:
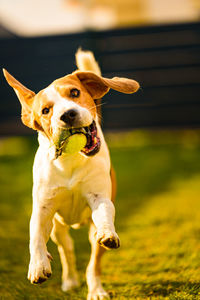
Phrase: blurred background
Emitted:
{"points": [[153, 135], [153, 41]]}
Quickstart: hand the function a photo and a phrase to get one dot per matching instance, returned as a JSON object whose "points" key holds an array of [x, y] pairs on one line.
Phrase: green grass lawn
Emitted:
{"points": [[157, 219]]}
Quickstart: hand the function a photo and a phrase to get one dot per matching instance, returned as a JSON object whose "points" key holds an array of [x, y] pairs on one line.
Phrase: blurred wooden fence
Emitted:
{"points": [[164, 59]]}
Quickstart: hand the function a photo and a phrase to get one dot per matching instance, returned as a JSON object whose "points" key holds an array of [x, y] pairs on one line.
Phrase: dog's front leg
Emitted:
{"points": [[103, 214], [40, 228]]}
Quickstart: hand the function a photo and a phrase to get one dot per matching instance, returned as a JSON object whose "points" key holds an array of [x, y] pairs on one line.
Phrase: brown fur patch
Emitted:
{"points": [[43, 121], [114, 184], [65, 84]]}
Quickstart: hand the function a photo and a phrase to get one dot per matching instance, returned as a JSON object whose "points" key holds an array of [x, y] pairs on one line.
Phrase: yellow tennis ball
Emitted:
{"points": [[75, 143], [60, 136]]}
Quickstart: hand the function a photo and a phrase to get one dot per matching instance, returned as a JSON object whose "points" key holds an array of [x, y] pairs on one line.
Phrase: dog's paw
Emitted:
{"points": [[98, 294], [69, 284], [108, 240], [39, 270]]}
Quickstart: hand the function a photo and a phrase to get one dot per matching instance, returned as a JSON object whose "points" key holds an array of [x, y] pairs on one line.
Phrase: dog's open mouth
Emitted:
{"points": [[92, 145], [93, 141]]}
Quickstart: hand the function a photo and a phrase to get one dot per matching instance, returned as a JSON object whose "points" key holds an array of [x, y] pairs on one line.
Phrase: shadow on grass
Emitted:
{"points": [[166, 288], [160, 288]]}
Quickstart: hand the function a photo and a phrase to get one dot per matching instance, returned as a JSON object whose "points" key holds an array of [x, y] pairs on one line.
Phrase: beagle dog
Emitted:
{"points": [[71, 189]]}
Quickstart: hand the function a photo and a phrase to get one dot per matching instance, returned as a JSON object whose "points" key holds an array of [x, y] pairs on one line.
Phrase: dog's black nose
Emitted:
{"points": [[69, 116]]}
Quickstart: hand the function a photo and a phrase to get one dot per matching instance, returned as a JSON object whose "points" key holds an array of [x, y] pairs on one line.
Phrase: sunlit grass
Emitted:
{"points": [[157, 219]]}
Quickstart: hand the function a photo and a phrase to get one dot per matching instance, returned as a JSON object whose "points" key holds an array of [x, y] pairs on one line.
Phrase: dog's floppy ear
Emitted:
{"points": [[98, 86], [26, 98]]}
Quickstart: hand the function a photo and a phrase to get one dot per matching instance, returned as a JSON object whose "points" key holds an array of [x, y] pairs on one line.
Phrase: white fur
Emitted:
{"points": [[66, 191], [61, 105]]}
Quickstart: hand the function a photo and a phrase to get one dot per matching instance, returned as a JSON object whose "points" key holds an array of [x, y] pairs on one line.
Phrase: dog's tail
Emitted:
{"points": [[86, 61]]}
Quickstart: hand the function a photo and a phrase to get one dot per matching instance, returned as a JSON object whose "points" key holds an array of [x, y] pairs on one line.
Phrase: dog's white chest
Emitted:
{"points": [[65, 183], [73, 207], [62, 184]]}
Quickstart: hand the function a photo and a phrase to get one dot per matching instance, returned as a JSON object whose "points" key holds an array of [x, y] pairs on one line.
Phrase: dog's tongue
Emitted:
{"points": [[93, 141]]}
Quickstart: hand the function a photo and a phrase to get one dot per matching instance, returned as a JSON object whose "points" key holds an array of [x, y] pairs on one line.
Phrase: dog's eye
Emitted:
{"points": [[74, 93], [45, 111]]}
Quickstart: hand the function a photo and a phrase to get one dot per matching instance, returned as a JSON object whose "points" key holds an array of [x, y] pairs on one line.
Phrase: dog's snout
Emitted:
{"points": [[69, 116]]}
